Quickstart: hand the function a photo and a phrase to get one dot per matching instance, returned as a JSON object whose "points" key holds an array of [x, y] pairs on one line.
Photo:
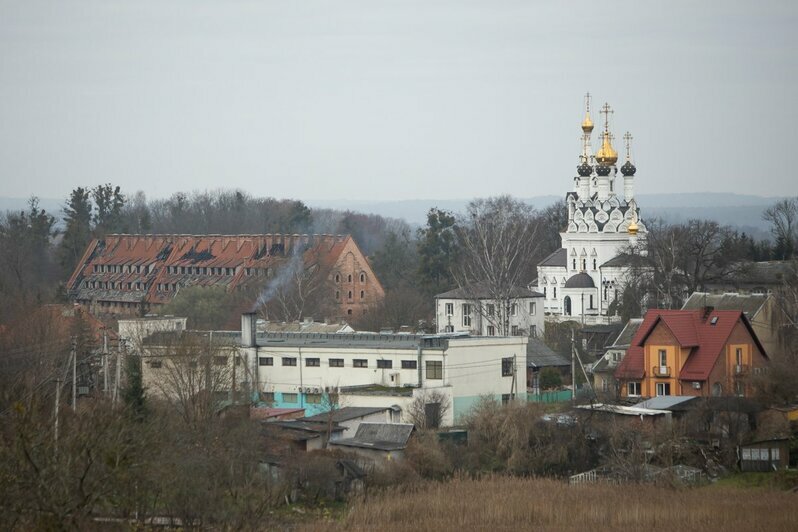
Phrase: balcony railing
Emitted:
{"points": [[661, 371]]}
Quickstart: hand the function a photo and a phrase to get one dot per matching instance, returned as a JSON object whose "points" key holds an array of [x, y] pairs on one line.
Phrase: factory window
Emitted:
{"points": [[313, 398], [360, 363], [336, 362], [362, 294], [409, 364], [384, 364], [312, 362], [267, 397], [507, 367], [350, 278], [362, 277], [349, 294], [434, 370], [289, 361], [265, 361], [337, 294], [290, 398], [337, 278]]}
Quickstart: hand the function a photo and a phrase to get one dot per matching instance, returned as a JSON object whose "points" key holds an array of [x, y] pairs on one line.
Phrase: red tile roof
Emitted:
{"points": [[705, 334], [161, 260]]}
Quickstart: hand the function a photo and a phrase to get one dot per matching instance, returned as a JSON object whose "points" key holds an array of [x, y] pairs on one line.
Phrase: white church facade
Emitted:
{"points": [[581, 280]]}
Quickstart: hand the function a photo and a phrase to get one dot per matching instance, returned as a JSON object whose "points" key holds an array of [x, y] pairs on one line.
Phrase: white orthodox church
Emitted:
{"points": [[581, 280]]}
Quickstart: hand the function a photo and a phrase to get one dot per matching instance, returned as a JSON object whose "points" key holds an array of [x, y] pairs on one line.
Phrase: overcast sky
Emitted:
{"points": [[375, 99]]}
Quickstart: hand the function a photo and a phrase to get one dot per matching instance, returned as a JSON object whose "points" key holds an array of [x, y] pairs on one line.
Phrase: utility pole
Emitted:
{"points": [[55, 417], [105, 361], [514, 385], [74, 375], [573, 367], [118, 370]]}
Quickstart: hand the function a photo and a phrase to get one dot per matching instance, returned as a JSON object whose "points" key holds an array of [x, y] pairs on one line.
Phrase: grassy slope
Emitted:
{"points": [[540, 504]]}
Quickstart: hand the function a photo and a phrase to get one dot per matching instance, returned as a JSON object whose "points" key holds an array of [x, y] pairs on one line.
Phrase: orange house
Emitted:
{"points": [[702, 352]]}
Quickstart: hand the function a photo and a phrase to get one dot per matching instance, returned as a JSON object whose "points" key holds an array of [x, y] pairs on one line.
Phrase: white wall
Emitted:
{"points": [[529, 313]]}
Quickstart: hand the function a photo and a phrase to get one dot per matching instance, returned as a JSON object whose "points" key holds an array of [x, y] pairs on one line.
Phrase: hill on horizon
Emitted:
{"points": [[742, 211]]}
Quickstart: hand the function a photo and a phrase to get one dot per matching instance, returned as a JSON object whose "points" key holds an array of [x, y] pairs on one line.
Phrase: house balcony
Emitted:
{"points": [[661, 371]]}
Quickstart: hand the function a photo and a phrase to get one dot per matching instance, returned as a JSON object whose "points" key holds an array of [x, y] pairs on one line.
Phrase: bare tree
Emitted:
{"points": [[428, 410], [498, 239], [192, 373], [783, 217]]}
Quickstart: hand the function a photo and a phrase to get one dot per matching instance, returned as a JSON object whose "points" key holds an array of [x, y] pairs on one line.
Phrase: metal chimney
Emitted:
{"points": [[248, 329]]}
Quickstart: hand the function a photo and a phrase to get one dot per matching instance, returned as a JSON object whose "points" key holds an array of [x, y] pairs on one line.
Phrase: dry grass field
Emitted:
{"points": [[502, 503]]}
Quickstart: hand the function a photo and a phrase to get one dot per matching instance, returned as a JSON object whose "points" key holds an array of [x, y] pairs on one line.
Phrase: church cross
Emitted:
{"points": [[628, 139], [606, 110]]}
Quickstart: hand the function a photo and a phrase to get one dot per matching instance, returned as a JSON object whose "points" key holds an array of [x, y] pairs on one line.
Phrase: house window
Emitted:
{"points": [[533, 330], [385, 364], [466, 315], [532, 308], [265, 361], [663, 358], [506, 398], [490, 309], [663, 388], [449, 309], [514, 330], [360, 363], [290, 398], [739, 389], [312, 362], [434, 370], [507, 367], [336, 362], [633, 389], [267, 397], [409, 364], [289, 361], [219, 361], [491, 330], [738, 356], [313, 398], [513, 309]]}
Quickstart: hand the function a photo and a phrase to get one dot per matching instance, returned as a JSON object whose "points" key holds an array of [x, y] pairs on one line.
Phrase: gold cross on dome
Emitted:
{"points": [[606, 110], [587, 102], [628, 140]]}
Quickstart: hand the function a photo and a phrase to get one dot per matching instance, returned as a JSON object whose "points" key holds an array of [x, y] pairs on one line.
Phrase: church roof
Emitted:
{"points": [[580, 280], [625, 259], [482, 291], [558, 258]]}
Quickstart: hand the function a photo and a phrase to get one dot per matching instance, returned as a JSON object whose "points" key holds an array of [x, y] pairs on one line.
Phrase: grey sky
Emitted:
{"points": [[392, 99]]}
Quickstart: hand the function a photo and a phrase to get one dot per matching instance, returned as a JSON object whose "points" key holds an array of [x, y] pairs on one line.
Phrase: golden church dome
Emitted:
{"points": [[633, 228], [587, 124], [606, 156]]}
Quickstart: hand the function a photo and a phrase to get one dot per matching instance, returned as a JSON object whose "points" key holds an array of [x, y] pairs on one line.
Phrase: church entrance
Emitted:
{"points": [[567, 305]]}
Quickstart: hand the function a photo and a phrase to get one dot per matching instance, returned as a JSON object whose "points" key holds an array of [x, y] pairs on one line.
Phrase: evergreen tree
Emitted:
{"points": [[108, 202], [77, 231], [437, 249], [133, 392]]}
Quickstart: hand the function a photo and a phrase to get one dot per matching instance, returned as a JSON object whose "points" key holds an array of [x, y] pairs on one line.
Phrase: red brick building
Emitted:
{"points": [[130, 275], [702, 352]]}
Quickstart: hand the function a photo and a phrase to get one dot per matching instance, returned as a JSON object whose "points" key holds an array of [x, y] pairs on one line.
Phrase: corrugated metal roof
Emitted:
{"points": [[748, 303], [666, 402], [382, 436], [347, 413]]}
